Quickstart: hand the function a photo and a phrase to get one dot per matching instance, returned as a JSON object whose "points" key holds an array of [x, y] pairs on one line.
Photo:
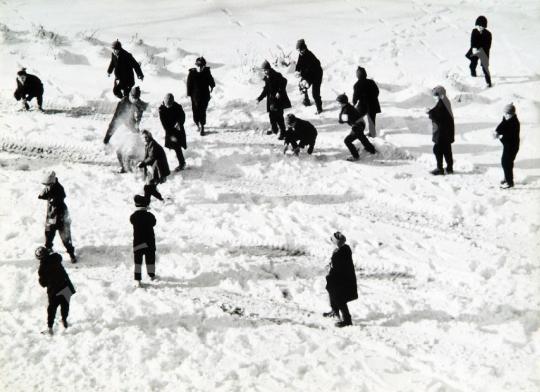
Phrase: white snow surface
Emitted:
{"points": [[447, 267]]}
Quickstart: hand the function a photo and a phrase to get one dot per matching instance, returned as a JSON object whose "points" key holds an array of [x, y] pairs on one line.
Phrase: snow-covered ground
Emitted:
{"points": [[447, 267]]}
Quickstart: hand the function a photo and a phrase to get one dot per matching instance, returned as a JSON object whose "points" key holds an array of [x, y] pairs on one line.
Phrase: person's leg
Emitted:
{"points": [[345, 315], [507, 163], [365, 142], [371, 124], [150, 257], [65, 235], [49, 237], [472, 66], [448, 157], [151, 190], [316, 92], [117, 89], [137, 260], [281, 124], [64, 310], [195, 111], [180, 156], [437, 151], [51, 310], [311, 146], [487, 75], [273, 122], [351, 137], [39, 99]]}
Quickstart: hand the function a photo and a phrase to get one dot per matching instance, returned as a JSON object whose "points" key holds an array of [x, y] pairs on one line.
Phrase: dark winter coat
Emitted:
{"points": [[32, 86], [56, 208], [509, 129], [199, 84], [173, 120], [354, 118], [123, 66], [274, 84], [154, 156], [366, 96], [302, 131], [341, 279], [143, 222], [53, 275], [309, 67], [480, 40], [127, 113], [443, 124]]}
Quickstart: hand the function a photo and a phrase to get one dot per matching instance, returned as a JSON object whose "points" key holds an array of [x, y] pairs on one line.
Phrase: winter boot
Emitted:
{"points": [[506, 186], [449, 170], [25, 105], [353, 159], [306, 101], [202, 133], [281, 136], [331, 314], [48, 331], [65, 323], [73, 257], [344, 323], [437, 172]]}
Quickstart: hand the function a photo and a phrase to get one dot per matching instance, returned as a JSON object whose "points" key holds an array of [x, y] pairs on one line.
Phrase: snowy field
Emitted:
{"points": [[448, 267]]}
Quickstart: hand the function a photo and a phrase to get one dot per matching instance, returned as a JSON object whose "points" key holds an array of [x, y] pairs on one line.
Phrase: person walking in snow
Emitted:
{"points": [[144, 241], [156, 167], [354, 119], [341, 281], [308, 67], [54, 277], [123, 64], [57, 214], [479, 50], [366, 99], [442, 120], [275, 92], [508, 133], [200, 85], [28, 87], [300, 133], [172, 117], [129, 112]]}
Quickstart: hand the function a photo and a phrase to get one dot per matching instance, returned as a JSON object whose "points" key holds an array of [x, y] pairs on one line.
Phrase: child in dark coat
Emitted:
{"points": [[508, 132], [144, 241], [54, 277], [442, 120], [28, 87], [300, 133], [354, 119], [341, 281], [479, 50], [200, 84]]}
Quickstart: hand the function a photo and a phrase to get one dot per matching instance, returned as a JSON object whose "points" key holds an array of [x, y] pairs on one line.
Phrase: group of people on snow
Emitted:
{"points": [[295, 132]]}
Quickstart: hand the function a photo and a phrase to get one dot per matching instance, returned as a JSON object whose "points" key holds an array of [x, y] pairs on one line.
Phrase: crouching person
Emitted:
{"points": [[300, 133], [54, 277], [341, 281], [28, 87], [350, 115], [144, 242], [156, 167]]}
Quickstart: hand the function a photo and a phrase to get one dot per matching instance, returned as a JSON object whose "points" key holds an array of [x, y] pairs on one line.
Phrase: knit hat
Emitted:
{"points": [[49, 178], [200, 61], [510, 108], [338, 238], [41, 252], [116, 45], [361, 73], [342, 98], [438, 91], [481, 21], [301, 44], [266, 65], [135, 92], [140, 201], [21, 72], [291, 119]]}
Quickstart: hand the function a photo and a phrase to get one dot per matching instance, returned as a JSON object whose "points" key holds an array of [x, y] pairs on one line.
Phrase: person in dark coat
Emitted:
{"points": [[354, 119], [57, 214], [308, 67], [54, 277], [156, 167], [28, 87], [275, 92], [508, 133], [123, 64], [300, 133], [366, 99], [200, 85], [129, 112], [172, 117], [442, 120], [480, 46], [341, 281], [144, 241]]}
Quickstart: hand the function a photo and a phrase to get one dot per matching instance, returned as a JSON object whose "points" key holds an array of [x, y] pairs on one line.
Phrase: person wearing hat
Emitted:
{"points": [[366, 99], [129, 112], [200, 84], [341, 281], [144, 241], [57, 214], [123, 64], [275, 92], [155, 165], [479, 50], [300, 133], [508, 133], [442, 120], [308, 67], [54, 277], [28, 87], [355, 120], [172, 117]]}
